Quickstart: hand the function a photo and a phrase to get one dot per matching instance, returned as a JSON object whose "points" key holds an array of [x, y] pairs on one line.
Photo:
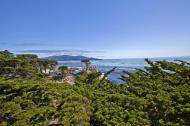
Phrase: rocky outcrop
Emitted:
{"points": [[90, 69], [70, 79]]}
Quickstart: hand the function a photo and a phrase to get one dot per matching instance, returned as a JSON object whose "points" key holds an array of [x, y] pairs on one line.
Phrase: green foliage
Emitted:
{"points": [[158, 95], [23, 65], [63, 69], [86, 62], [5, 54], [162, 91]]}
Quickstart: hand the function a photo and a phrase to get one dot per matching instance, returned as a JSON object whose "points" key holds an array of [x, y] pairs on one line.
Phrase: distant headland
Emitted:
{"points": [[69, 58]]}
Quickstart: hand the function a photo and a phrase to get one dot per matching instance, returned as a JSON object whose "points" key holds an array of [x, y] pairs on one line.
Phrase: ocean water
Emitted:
{"points": [[121, 64]]}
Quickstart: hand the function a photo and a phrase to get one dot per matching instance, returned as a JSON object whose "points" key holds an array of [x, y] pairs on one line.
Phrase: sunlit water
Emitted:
{"points": [[121, 64]]}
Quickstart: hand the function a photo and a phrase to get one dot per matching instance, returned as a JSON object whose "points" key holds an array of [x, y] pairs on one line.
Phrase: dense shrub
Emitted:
{"points": [[158, 95]]}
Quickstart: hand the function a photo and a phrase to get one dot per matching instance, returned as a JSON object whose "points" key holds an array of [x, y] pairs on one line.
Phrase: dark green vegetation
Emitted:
{"points": [[23, 66], [159, 95]]}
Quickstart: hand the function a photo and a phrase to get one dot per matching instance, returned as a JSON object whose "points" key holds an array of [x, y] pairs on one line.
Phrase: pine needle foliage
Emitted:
{"points": [[158, 95]]}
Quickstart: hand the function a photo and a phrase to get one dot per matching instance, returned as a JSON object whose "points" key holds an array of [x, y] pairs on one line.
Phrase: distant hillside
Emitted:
{"points": [[68, 57]]}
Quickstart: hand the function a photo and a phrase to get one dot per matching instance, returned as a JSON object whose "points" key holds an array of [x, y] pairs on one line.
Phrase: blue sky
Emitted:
{"points": [[99, 28]]}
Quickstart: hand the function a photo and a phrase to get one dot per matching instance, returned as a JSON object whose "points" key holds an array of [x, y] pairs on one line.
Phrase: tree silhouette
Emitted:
{"points": [[87, 63]]}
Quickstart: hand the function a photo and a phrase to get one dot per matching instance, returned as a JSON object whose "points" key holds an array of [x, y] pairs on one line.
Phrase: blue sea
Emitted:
{"points": [[121, 64]]}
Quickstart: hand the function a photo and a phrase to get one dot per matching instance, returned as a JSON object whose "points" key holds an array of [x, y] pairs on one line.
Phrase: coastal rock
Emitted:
{"points": [[70, 79]]}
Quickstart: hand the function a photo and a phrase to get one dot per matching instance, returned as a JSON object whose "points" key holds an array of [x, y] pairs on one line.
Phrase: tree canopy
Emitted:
{"points": [[158, 95]]}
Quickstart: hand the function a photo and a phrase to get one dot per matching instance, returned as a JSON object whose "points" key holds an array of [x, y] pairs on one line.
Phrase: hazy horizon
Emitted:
{"points": [[44, 53], [100, 28]]}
